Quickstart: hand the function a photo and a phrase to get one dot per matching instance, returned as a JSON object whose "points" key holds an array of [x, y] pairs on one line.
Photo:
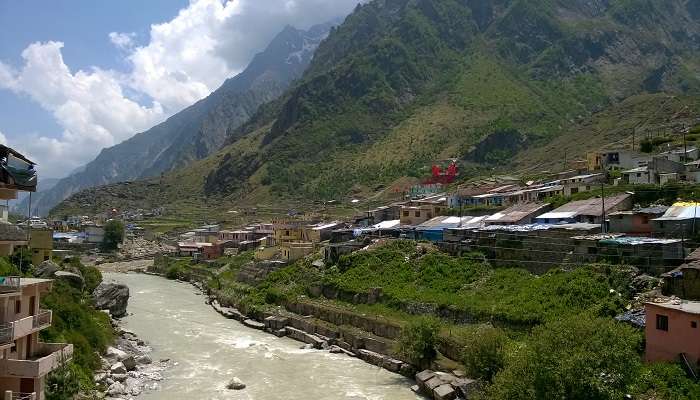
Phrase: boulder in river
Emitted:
{"points": [[117, 369], [235, 384], [113, 297]]}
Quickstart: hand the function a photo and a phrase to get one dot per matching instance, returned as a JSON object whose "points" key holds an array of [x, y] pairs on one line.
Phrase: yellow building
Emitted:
{"points": [[41, 245], [288, 232], [294, 251]]}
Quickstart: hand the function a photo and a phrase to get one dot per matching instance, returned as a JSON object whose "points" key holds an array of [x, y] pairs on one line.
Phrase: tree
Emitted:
{"points": [[580, 357], [484, 351], [418, 341], [114, 235]]}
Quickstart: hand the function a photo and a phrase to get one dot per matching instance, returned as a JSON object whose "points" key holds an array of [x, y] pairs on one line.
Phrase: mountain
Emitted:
{"points": [[21, 204], [202, 128], [403, 83]]}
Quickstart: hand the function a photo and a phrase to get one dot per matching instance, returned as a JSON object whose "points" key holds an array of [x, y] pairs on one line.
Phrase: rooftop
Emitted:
{"points": [[692, 307], [681, 211], [590, 207], [517, 212]]}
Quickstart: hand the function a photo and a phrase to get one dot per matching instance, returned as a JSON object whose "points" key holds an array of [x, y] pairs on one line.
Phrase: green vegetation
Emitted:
{"points": [[418, 341], [579, 357], [114, 235], [484, 351]]}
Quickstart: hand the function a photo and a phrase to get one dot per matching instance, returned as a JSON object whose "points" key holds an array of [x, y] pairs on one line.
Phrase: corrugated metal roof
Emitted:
{"points": [[517, 212], [681, 212], [591, 207]]}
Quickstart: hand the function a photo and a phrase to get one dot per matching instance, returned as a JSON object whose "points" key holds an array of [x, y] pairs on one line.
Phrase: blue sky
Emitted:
{"points": [[85, 25], [77, 76]]}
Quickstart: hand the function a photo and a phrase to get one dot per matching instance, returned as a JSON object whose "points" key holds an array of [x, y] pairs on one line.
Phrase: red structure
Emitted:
{"points": [[441, 176]]}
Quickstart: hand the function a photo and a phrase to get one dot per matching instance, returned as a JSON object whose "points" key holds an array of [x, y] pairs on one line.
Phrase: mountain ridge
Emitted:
{"points": [[200, 129], [403, 83]]}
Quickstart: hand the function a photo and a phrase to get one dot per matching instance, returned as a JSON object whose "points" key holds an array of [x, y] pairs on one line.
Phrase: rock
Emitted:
{"points": [[46, 269], [254, 324], [115, 354], [113, 297], [116, 389], [432, 384], [335, 350], [444, 392], [466, 387], [423, 377], [73, 279], [415, 389], [119, 377], [144, 359], [100, 377], [117, 368], [129, 363], [392, 365], [459, 373], [235, 384]]}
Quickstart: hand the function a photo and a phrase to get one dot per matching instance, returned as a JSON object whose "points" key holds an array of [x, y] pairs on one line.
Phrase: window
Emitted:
{"points": [[18, 306], [694, 324], [662, 322], [405, 213], [417, 214]]}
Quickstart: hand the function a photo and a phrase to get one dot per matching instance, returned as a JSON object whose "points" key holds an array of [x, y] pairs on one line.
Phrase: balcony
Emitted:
{"points": [[47, 357], [7, 333], [42, 320], [10, 395], [10, 284]]}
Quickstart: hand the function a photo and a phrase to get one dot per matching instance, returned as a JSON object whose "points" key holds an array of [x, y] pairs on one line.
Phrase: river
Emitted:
{"points": [[207, 351]]}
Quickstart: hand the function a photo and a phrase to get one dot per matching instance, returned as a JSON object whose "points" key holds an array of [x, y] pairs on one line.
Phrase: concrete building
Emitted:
{"points": [[41, 245], [635, 222], [637, 176], [16, 174], [94, 233], [416, 215], [672, 332], [294, 251], [321, 232], [24, 360], [681, 219], [616, 160]]}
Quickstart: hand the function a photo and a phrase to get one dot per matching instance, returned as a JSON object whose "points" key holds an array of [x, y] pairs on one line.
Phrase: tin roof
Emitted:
{"points": [[691, 307], [517, 212], [681, 211], [590, 207]]}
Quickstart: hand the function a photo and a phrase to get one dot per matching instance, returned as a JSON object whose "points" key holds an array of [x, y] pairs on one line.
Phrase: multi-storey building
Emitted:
{"points": [[24, 360]]}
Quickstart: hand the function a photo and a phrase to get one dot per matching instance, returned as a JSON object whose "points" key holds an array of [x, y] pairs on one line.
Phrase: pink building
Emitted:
{"points": [[672, 329], [24, 360]]}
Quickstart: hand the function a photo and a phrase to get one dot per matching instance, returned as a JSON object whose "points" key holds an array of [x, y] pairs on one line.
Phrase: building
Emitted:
{"points": [[616, 159], [433, 230], [94, 233], [586, 211], [637, 176], [319, 232], [288, 231], [672, 332], [16, 174], [41, 245], [635, 222], [581, 183], [680, 220], [518, 214], [24, 360], [681, 155], [416, 215], [294, 251]]}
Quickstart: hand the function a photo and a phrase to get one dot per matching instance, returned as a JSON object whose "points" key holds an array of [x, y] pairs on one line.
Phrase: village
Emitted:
{"points": [[505, 220], [534, 225]]}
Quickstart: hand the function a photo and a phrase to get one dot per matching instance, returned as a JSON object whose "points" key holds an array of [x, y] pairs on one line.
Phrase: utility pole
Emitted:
{"points": [[602, 198], [685, 145], [634, 133]]}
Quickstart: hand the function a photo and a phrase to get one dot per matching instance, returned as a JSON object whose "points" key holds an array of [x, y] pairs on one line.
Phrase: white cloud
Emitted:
{"points": [[3, 139], [185, 59], [123, 41]]}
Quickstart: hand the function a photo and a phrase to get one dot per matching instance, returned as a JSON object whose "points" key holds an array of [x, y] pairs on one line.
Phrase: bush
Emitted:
{"points": [[484, 351], [580, 357], [665, 381], [418, 341]]}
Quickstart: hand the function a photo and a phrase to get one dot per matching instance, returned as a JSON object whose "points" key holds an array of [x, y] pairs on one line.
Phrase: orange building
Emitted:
{"points": [[672, 329]]}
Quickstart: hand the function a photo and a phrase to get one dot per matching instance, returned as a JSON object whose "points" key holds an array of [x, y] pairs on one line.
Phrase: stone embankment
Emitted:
{"points": [[373, 349]]}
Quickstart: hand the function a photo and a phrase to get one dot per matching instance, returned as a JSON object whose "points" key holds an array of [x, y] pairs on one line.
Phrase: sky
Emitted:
{"points": [[77, 76]]}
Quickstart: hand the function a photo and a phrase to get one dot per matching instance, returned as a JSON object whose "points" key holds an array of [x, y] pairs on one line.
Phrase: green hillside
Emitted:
{"points": [[403, 83]]}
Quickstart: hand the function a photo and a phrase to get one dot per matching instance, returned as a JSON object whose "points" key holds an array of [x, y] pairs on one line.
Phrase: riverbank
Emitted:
{"points": [[208, 351]]}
